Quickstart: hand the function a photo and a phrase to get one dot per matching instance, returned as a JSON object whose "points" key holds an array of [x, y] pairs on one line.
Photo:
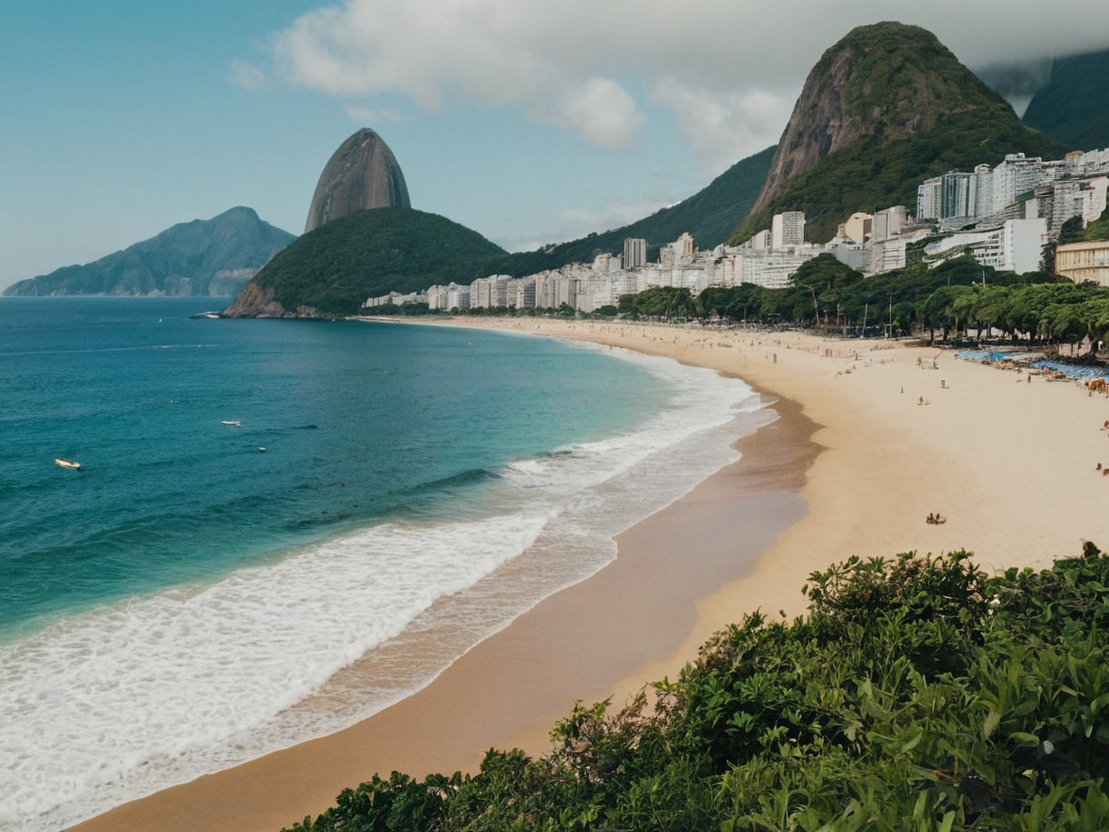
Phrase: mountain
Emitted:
{"points": [[363, 173], [884, 108], [333, 269], [203, 257], [710, 215], [1073, 108], [329, 272]]}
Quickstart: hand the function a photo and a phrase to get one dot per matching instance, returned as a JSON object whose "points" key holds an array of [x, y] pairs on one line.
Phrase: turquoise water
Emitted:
{"points": [[359, 422], [169, 609]]}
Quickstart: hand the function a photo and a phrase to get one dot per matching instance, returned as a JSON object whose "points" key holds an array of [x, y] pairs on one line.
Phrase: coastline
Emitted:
{"points": [[886, 462]]}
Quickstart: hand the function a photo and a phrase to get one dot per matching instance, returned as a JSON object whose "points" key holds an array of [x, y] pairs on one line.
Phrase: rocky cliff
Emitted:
{"points": [[203, 257], [884, 108], [361, 174]]}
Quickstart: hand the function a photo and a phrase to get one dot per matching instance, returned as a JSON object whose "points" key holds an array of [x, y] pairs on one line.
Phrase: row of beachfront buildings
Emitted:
{"points": [[1003, 216]]}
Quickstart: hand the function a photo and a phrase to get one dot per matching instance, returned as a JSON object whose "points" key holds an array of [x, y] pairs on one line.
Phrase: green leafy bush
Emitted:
{"points": [[918, 694]]}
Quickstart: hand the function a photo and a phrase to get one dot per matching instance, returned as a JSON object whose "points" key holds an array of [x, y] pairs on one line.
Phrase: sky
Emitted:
{"points": [[529, 121]]}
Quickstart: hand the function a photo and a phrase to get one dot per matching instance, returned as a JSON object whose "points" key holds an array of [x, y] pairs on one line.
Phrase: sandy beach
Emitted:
{"points": [[872, 437]]}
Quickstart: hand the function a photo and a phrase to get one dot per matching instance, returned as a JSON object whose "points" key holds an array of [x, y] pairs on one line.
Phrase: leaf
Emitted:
{"points": [[991, 723], [1024, 738], [948, 819], [914, 742], [921, 805]]}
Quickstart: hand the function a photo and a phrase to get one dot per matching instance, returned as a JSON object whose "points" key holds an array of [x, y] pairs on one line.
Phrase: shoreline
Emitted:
{"points": [[884, 463]]}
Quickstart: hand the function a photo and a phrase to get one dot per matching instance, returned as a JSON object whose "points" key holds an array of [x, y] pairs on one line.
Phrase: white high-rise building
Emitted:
{"points": [[983, 191], [635, 253], [489, 292], [957, 195], [928, 199], [1016, 176], [787, 229]]}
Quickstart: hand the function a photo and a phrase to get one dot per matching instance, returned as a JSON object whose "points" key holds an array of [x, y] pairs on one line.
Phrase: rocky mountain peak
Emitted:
{"points": [[885, 80], [363, 173]]}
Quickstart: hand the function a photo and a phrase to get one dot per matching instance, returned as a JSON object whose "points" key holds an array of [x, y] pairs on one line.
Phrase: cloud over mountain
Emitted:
{"points": [[729, 72]]}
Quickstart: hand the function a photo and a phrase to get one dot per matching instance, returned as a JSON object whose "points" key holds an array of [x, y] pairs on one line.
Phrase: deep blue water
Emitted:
{"points": [[359, 422]]}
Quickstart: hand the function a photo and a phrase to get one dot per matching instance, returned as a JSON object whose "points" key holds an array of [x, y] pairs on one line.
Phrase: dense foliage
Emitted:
{"points": [[949, 300], [662, 302], [336, 267], [710, 215], [921, 113], [1073, 108], [917, 694], [1097, 230], [191, 258]]}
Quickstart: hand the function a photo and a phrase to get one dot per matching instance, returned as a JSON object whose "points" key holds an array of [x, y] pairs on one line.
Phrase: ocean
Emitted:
{"points": [[201, 593]]}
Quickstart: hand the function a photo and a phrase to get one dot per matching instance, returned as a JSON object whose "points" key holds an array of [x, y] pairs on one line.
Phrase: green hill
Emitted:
{"points": [[885, 108], [203, 257], [333, 269], [1074, 106]]}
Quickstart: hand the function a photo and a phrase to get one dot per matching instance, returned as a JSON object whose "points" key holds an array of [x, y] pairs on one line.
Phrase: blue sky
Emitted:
{"points": [[527, 120]]}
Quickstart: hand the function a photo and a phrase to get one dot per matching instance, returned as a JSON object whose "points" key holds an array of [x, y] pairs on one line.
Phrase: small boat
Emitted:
{"points": [[204, 316], [231, 423], [62, 462]]}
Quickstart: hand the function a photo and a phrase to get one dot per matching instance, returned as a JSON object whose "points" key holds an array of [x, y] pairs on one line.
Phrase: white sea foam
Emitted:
{"points": [[120, 701], [94, 699]]}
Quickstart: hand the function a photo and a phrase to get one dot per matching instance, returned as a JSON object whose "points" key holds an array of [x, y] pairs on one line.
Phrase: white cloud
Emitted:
{"points": [[481, 51], [599, 109], [724, 127], [729, 70], [371, 115], [247, 76]]}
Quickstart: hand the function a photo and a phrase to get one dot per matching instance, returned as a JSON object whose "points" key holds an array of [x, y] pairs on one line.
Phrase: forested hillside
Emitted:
{"points": [[1073, 108], [332, 270]]}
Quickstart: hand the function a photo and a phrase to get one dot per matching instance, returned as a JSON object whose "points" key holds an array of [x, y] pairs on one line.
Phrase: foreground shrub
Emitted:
{"points": [[917, 694]]}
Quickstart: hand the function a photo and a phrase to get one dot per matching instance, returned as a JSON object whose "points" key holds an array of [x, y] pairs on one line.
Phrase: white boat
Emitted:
{"points": [[231, 423], [62, 462]]}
